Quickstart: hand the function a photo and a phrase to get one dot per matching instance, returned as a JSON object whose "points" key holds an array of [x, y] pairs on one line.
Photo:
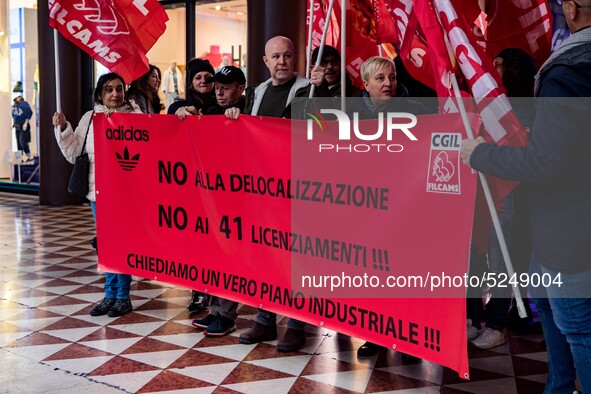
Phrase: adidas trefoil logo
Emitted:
{"points": [[127, 163]]}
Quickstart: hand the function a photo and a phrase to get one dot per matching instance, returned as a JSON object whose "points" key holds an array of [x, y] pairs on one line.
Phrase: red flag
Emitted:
{"points": [[320, 19], [501, 124], [524, 24], [386, 31], [397, 24], [441, 61], [116, 33]]}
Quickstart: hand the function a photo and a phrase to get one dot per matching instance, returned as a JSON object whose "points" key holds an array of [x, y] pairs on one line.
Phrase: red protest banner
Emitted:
{"points": [[297, 220], [117, 34]]}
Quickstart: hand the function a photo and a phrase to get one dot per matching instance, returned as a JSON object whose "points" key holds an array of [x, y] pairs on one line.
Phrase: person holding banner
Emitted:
{"points": [[200, 94], [380, 95], [555, 164], [229, 85], [109, 97], [229, 88], [144, 91], [382, 91], [273, 98]]}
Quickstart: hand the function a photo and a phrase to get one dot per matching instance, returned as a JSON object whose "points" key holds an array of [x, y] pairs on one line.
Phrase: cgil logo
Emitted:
{"points": [[395, 121], [131, 134], [444, 164]]}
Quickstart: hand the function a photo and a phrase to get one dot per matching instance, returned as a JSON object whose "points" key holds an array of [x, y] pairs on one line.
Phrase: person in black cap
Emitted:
{"points": [[229, 85], [200, 93], [21, 116], [229, 89]]}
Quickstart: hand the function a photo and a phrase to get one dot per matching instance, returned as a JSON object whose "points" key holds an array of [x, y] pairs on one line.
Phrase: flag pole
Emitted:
{"points": [[56, 53], [490, 203], [310, 30], [322, 42]]}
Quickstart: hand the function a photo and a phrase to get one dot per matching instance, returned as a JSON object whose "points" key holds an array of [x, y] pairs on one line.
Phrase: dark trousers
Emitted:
{"points": [[23, 137]]}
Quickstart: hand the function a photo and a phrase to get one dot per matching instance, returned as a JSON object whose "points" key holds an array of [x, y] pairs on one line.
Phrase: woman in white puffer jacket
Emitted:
{"points": [[109, 97]]}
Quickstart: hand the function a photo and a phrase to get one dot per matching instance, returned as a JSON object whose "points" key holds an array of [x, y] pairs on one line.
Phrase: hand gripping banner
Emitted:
{"points": [[353, 234]]}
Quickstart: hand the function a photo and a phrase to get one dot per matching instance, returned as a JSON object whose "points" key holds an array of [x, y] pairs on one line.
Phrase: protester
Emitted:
{"points": [[144, 91], [200, 93], [21, 117], [172, 84], [328, 83], [200, 96], [229, 88], [382, 93], [517, 70], [273, 98], [109, 97], [555, 165]]}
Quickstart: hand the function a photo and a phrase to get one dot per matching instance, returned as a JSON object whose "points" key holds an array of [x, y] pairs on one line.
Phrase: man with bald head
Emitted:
{"points": [[554, 168], [273, 98]]}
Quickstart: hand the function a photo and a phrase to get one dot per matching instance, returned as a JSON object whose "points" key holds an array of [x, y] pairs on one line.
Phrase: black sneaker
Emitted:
{"points": [[102, 308], [199, 302], [220, 327], [205, 322], [369, 349], [120, 308]]}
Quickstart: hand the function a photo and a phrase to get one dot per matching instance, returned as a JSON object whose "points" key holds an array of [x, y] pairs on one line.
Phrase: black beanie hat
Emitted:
{"points": [[197, 65], [327, 51]]}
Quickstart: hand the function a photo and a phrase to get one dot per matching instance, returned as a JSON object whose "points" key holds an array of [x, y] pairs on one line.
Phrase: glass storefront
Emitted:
{"points": [[19, 92], [220, 36]]}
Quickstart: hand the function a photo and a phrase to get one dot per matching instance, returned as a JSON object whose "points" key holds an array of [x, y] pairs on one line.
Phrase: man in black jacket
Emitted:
{"points": [[555, 168]]}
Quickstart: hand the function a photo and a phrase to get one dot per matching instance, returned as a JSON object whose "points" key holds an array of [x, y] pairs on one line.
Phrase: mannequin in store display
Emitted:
{"points": [[21, 117], [172, 83]]}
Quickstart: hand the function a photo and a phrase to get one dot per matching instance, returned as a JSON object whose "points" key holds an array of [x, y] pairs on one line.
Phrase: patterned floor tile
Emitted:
{"points": [[49, 283], [208, 373], [168, 380]]}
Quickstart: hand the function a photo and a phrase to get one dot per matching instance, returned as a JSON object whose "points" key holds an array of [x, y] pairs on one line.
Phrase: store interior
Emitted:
{"points": [[220, 36]]}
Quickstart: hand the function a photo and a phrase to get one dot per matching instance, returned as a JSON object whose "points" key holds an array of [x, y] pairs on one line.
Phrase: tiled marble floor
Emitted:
{"points": [[49, 343]]}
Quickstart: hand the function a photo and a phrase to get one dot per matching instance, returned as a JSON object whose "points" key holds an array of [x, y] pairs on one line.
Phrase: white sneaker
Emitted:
{"points": [[489, 338], [471, 331]]}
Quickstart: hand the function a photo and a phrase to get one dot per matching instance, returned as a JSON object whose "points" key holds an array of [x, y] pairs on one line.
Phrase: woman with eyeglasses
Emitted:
{"points": [[200, 94]]}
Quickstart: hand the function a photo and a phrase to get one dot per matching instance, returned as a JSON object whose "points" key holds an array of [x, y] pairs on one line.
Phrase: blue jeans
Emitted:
{"points": [[565, 314], [116, 285], [267, 318]]}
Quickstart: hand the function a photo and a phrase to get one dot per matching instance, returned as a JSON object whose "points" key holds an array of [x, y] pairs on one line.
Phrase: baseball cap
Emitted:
{"points": [[228, 74]]}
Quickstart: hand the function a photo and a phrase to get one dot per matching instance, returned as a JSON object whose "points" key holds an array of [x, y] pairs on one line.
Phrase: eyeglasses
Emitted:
{"points": [[559, 2]]}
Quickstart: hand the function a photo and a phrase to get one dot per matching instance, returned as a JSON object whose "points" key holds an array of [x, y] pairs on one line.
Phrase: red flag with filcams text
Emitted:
{"points": [[116, 33]]}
